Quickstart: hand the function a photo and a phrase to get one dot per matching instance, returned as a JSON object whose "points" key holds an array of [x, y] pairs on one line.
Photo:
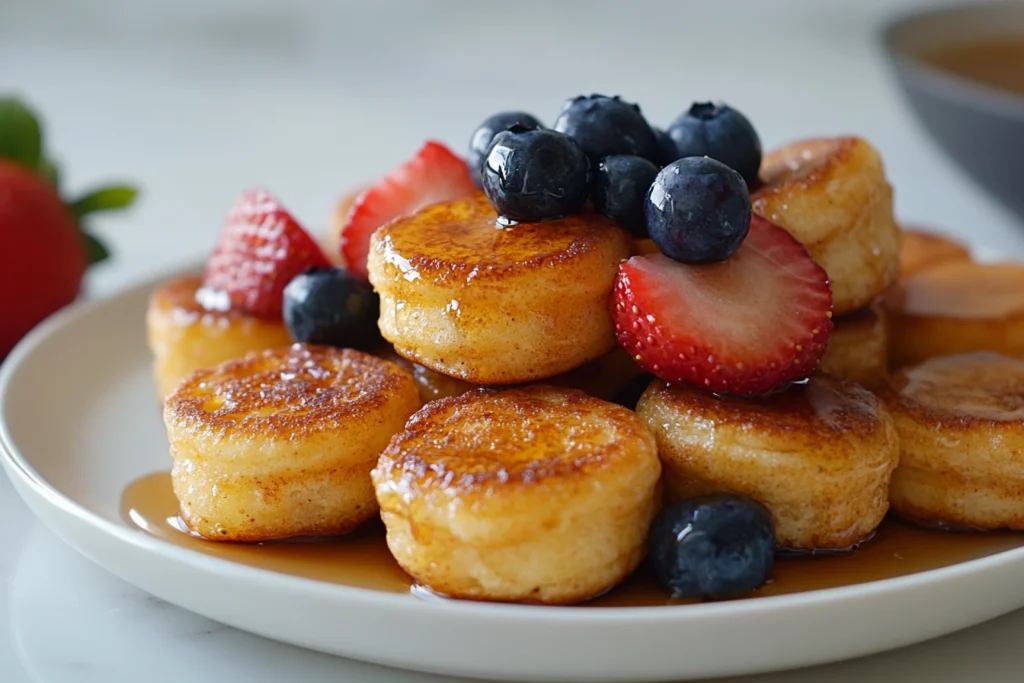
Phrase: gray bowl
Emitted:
{"points": [[980, 127]]}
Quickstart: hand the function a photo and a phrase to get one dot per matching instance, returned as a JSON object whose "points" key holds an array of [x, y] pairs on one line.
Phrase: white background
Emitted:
{"points": [[196, 100]]}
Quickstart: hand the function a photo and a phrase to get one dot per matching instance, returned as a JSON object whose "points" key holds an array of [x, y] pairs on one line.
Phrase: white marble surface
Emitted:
{"points": [[196, 100]]}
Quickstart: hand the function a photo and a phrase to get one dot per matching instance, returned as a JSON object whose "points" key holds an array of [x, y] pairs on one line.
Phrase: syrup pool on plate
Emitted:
{"points": [[362, 560]]}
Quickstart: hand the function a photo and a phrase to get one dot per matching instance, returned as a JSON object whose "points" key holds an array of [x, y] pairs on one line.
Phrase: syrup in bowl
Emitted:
{"points": [[997, 62]]}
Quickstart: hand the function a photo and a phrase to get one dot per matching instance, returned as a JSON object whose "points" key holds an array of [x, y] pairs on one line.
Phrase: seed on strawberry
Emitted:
{"points": [[260, 249], [435, 174], [747, 326]]}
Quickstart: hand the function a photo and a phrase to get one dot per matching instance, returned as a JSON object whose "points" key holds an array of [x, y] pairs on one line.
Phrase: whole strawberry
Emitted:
{"points": [[44, 249]]}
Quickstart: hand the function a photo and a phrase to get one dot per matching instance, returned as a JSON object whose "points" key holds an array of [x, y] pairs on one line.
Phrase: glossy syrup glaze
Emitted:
{"points": [[297, 389], [362, 560], [982, 386], [470, 443], [462, 241]]}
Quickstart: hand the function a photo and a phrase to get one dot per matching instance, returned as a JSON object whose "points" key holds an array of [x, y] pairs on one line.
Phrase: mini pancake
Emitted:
{"points": [[832, 195], [819, 455], [922, 249], [185, 336], [858, 348], [491, 304], [961, 425], [955, 308], [281, 443], [539, 494]]}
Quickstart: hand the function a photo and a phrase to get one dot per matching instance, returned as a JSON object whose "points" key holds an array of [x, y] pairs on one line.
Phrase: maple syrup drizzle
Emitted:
{"points": [[362, 559]]}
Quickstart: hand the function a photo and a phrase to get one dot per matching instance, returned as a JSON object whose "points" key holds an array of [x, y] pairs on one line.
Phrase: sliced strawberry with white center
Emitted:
{"points": [[260, 249], [433, 175], [746, 326]]}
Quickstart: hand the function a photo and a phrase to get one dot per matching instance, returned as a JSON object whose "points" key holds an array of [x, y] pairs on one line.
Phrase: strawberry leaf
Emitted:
{"points": [[104, 199], [95, 250], [51, 171], [21, 138]]}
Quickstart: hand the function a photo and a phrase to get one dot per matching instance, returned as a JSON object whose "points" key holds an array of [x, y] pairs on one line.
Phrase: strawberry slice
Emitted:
{"points": [[747, 326], [433, 175], [260, 249]]}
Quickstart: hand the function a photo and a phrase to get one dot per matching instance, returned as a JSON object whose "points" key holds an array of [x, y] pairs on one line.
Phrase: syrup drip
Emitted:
{"points": [[362, 559]]}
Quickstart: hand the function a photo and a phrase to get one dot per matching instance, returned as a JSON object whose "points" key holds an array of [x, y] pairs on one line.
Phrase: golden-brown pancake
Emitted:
{"points": [[923, 249], [961, 425], [281, 443], [538, 494], [832, 195], [956, 307], [818, 455], [858, 348], [184, 336], [490, 304]]}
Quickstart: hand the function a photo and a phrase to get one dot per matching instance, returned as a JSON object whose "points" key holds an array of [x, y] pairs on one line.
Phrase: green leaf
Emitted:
{"points": [[104, 199], [95, 250], [21, 138], [51, 171]]}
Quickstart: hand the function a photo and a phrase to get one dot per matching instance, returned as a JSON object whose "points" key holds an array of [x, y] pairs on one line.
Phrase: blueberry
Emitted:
{"points": [[698, 210], [720, 132], [606, 125], [482, 138], [332, 306], [719, 546], [619, 188], [535, 175], [666, 148]]}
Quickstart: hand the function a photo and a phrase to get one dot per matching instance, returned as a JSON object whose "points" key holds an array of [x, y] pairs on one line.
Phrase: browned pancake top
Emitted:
{"points": [[961, 390], [808, 161], [817, 409], [463, 240], [297, 390], [516, 436]]}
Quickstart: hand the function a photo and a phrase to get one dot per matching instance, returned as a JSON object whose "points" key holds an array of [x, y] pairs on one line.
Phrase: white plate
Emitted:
{"points": [[78, 422]]}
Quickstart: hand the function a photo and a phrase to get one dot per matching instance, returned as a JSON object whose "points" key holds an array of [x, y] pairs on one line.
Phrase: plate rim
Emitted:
{"points": [[17, 465]]}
